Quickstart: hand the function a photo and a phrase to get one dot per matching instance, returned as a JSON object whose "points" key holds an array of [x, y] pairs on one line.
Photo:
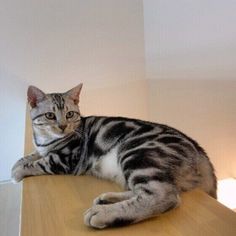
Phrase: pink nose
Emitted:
{"points": [[62, 127]]}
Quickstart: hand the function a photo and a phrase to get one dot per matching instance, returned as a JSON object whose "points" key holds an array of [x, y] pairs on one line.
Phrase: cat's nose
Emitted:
{"points": [[62, 127]]}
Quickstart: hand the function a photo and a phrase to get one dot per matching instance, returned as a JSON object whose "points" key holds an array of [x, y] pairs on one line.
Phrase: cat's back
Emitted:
{"points": [[114, 126], [175, 152], [104, 133]]}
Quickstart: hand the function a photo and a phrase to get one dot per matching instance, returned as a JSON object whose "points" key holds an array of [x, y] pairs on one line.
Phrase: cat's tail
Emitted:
{"points": [[209, 181]]}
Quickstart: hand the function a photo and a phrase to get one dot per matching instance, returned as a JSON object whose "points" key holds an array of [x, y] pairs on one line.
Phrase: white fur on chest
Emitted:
{"points": [[107, 167]]}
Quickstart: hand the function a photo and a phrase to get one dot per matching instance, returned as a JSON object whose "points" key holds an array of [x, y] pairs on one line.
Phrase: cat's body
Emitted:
{"points": [[154, 163]]}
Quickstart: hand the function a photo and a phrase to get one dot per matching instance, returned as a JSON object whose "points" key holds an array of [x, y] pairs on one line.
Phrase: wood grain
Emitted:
{"points": [[54, 206]]}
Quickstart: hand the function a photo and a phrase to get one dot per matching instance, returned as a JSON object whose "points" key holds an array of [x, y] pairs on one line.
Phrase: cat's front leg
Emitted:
{"points": [[27, 159], [34, 156], [23, 167], [50, 164]]}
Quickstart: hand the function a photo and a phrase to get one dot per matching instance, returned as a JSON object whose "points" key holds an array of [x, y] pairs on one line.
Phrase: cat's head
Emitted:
{"points": [[55, 114]]}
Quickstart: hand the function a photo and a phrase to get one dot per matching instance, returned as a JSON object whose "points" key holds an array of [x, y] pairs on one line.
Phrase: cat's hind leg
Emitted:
{"points": [[150, 199]]}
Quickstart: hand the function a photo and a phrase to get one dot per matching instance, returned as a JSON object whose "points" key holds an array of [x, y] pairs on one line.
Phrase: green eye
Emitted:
{"points": [[50, 116], [69, 114]]}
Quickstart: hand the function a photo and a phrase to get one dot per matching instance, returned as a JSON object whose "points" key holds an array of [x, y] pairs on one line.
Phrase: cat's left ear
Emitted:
{"points": [[74, 93]]}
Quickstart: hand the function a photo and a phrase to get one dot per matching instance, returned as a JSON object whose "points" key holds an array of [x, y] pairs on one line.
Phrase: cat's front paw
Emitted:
{"points": [[17, 175], [96, 217], [19, 170], [103, 216]]}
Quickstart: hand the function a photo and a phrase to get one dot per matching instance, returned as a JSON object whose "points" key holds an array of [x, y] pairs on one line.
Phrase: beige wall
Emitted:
{"points": [[203, 109], [128, 99]]}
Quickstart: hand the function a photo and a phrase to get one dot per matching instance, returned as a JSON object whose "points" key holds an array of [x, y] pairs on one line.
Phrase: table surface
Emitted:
{"points": [[54, 205]]}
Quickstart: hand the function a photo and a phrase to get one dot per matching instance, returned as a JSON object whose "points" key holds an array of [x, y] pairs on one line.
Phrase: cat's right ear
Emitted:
{"points": [[34, 95]]}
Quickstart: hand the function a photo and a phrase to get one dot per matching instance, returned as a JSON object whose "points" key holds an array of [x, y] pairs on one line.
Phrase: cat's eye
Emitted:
{"points": [[69, 114], [50, 115]]}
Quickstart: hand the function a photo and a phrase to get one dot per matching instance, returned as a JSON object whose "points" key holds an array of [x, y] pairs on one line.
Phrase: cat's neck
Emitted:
{"points": [[45, 142]]}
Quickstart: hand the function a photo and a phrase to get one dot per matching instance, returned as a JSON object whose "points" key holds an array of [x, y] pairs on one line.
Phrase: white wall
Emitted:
{"points": [[12, 119], [190, 39], [56, 44], [96, 41], [191, 71]]}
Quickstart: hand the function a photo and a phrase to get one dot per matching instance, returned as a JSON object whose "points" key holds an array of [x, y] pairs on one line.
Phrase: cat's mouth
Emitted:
{"points": [[63, 132], [59, 132]]}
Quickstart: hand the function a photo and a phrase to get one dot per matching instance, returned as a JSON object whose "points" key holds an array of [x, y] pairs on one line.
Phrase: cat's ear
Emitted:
{"points": [[35, 95], [74, 93]]}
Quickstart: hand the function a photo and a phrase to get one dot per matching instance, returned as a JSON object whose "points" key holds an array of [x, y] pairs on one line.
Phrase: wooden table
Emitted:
{"points": [[54, 206]]}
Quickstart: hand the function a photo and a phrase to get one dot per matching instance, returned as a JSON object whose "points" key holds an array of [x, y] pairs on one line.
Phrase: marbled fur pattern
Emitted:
{"points": [[154, 163]]}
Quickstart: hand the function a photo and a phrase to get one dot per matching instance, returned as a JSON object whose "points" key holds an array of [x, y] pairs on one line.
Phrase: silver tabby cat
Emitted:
{"points": [[154, 163]]}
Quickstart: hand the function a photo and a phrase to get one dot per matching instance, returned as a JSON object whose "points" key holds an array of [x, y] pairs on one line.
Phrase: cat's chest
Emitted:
{"points": [[107, 167]]}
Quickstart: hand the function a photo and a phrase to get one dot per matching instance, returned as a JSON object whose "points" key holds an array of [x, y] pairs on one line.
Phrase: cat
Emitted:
{"points": [[153, 162]]}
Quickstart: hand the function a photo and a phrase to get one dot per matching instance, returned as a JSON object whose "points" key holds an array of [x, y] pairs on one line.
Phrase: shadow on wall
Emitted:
{"points": [[12, 118]]}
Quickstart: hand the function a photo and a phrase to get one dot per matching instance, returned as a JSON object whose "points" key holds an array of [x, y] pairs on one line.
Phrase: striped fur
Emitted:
{"points": [[153, 162]]}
